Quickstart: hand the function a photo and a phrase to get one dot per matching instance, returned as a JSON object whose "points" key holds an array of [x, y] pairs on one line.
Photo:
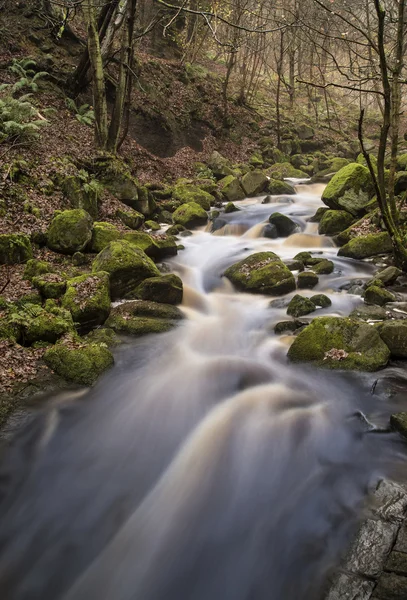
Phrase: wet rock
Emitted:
{"points": [[336, 343], [70, 231], [127, 266], [323, 267], [294, 265], [261, 273], [288, 326], [230, 207], [190, 215], [394, 335], [285, 226], [388, 276], [334, 221], [373, 313], [152, 225], [307, 280], [140, 317], [175, 229], [316, 218], [303, 256], [166, 289], [366, 246], [350, 189], [167, 247], [49, 285], [390, 587], [102, 235], [87, 298], [254, 183], [377, 295], [231, 188], [321, 300], [300, 306], [270, 231], [83, 364], [15, 248], [398, 422], [130, 218]]}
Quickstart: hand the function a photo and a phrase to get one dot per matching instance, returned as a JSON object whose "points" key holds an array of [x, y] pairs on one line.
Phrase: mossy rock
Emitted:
{"points": [[305, 131], [352, 231], [377, 295], [254, 183], [34, 268], [321, 300], [50, 285], [307, 280], [127, 266], [350, 189], [300, 306], [284, 225], [79, 196], [102, 234], [166, 289], [394, 335], [87, 298], [316, 218], [303, 256], [340, 343], [331, 167], [288, 326], [261, 273], [144, 241], [334, 221], [15, 248], [83, 364], [230, 208], [152, 225], [398, 422], [219, 165], [36, 323], [190, 215], [285, 171], [131, 218], [70, 231], [104, 336], [231, 188], [141, 317], [387, 276], [175, 229], [191, 193], [366, 246], [371, 312], [323, 266], [276, 187]]}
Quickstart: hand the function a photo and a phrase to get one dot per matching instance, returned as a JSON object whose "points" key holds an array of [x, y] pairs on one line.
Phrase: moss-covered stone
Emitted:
{"points": [[334, 221], [350, 189], [80, 195], [144, 241], [276, 187], [367, 245], [127, 266], [87, 298], [175, 229], [254, 183], [371, 312], [15, 248], [323, 266], [167, 247], [261, 273], [398, 422], [219, 165], [152, 225], [230, 207], [104, 336], [231, 188], [321, 300], [284, 225], [166, 289], [70, 231], [303, 256], [49, 285], [307, 280], [316, 218], [35, 267], [36, 323], [284, 171], [288, 326], [83, 364], [191, 193], [141, 317], [337, 343], [131, 218], [378, 295], [190, 215], [387, 276], [394, 335], [102, 234], [300, 306]]}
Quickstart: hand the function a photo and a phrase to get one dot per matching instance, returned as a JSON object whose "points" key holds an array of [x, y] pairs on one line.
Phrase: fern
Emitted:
{"points": [[18, 120], [90, 184], [84, 114], [28, 77]]}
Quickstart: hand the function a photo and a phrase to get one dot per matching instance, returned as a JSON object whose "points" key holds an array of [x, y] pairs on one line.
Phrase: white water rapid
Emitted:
{"points": [[203, 466]]}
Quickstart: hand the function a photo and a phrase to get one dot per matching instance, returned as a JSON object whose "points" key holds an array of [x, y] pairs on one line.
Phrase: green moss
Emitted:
{"points": [[50, 285], [300, 306], [261, 273], [34, 267], [190, 193], [14, 248], [363, 349], [81, 365], [130, 218], [152, 225], [321, 300], [254, 183], [81, 194], [323, 267], [350, 189], [166, 289], [276, 187], [142, 317], [144, 241], [176, 229], [127, 266], [190, 215], [70, 231], [316, 218], [35, 323], [365, 246], [285, 170], [378, 295], [88, 299], [230, 207], [394, 335], [334, 221], [307, 280], [231, 188], [104, 336], [102, 235]]}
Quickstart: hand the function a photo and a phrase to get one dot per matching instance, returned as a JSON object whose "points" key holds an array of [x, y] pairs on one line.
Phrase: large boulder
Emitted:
{"points": [[350, 189], [334, 221], [388, 275], [284, 225], [305, 131], [102, 234], [186, 194], [232, 189], [166, 289], [368, 245], [254, 183], [261, 273], [190, 215], [377, 295], [277, 187], [70, 231], [130, 217], [219, 165], [285, 170], [87, 298], [338, 343], [140, 317], [394, 335], [35, 323], [79, 362], [127, 266], [15, 248], [49, 285]]}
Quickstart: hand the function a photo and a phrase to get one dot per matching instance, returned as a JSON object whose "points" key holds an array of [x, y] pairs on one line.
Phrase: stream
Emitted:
{"points": [[204, 466]]}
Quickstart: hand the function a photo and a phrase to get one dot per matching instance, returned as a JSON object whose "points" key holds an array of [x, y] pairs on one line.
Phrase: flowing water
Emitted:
{"points": [[203, 466]]}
